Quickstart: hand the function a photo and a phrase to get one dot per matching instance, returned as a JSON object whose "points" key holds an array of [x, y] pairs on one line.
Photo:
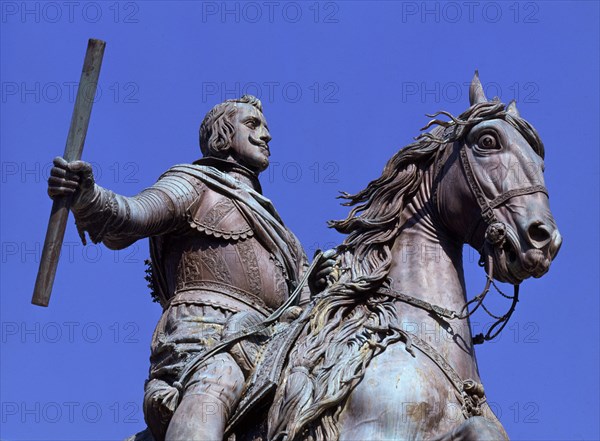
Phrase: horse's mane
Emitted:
{"points": [[373, 220], [349, 322]]}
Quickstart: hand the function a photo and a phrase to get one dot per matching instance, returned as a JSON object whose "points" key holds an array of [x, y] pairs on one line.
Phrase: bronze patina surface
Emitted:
{"points": [[222, 260], [232, 358]]}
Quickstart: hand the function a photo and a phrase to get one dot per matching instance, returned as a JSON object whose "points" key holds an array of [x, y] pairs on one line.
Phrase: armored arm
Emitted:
{"points": [[118, 221]]}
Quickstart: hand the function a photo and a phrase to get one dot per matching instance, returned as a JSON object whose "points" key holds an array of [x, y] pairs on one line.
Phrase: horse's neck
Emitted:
{"points": [[428, 268], [427, 265]]}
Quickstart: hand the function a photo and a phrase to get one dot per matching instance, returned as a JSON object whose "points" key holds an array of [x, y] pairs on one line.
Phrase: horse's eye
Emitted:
{"points": [[488, 142]]}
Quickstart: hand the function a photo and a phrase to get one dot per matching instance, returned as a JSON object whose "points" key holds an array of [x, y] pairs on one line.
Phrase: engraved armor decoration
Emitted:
{"points": [[221, 260], [217, 248], [221, 247]]}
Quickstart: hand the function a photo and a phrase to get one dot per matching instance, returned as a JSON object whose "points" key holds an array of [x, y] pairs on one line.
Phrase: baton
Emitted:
{"points": [[60, 206]]}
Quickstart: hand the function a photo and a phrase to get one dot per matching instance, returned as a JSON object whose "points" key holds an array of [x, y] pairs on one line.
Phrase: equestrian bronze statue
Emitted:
{"points": [[254, 344]]}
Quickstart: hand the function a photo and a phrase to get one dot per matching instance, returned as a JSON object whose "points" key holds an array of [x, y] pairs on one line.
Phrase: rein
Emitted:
{"points": [[495, 237], [470, 392], [450, 314], [246, 332]]}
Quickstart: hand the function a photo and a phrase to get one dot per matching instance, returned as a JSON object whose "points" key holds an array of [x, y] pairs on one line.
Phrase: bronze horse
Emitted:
{"points": [[365, 365]]}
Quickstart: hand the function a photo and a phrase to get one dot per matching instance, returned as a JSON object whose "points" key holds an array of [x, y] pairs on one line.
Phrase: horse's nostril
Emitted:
{"points": [[539, 234]]}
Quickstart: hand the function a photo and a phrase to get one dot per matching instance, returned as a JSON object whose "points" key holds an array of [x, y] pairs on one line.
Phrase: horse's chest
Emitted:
{"points": [[400, 397]]}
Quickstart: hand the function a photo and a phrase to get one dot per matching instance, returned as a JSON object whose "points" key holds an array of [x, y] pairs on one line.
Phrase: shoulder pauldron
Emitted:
{"points": [[217, 216]]}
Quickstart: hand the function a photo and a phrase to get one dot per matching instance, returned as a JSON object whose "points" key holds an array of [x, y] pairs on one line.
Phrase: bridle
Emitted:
{"points": [[470, 392], [495, 233], [495, 237]]}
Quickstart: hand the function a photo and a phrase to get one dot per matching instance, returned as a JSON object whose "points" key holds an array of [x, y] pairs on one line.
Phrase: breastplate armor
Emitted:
{"points": [[219, 246]]}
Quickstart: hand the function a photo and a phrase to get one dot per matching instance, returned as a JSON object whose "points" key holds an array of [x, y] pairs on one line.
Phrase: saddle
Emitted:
{"points": [[261, 385]]}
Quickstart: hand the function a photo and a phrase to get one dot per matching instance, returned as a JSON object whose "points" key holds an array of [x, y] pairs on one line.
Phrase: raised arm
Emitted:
{"points": [[118, 221]]}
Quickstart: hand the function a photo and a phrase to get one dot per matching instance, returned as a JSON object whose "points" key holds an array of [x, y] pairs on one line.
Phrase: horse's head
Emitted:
{"points": [[490, 189]]}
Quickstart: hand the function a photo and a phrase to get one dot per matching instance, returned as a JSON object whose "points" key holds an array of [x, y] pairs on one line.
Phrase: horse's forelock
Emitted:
{"points": [[528, 132], [397, 179], [497, 110]]}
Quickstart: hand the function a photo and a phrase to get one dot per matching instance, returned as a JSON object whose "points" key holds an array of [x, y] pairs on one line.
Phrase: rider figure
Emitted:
{"points": [[221, 256]]}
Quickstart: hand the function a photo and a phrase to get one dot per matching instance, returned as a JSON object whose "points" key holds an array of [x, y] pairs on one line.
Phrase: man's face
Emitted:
{"points": [[249, 146]]}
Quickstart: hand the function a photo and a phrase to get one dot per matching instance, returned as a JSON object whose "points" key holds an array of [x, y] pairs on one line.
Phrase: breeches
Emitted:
{"points": [[183, 332]]}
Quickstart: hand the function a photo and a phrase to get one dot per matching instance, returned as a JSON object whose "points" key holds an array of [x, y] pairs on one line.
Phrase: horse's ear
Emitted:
{"points": [[476, 94], [512, 108]]}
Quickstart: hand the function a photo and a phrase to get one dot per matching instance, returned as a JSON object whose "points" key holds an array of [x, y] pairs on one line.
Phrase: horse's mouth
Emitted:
{"points": [[513, 265]]}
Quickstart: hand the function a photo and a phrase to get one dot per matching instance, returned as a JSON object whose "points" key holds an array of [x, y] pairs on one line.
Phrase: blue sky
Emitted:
{"points": [[344, 85]]}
